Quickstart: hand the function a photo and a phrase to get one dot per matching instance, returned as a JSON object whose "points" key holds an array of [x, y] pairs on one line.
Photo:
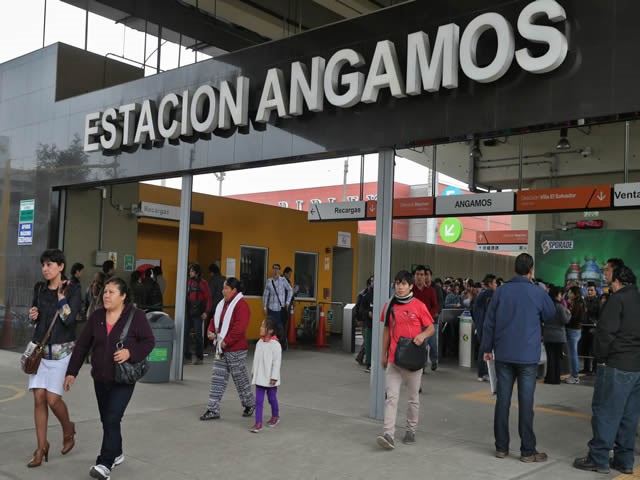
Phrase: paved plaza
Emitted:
{"points": [[325, 431]]}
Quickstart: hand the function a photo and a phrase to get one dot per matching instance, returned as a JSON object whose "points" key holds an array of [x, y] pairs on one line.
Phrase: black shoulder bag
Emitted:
{"points": [[127, 372], [408, 355]]}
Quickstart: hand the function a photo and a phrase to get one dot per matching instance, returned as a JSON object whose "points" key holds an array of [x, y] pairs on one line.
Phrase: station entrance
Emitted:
{"points": [[500, 112]]}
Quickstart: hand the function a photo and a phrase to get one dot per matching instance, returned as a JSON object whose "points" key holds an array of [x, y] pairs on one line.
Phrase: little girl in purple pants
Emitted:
{"points": [[265, 373]]}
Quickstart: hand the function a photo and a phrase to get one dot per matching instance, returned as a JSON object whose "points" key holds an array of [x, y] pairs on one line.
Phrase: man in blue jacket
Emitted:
{"points": [[512, 334]]}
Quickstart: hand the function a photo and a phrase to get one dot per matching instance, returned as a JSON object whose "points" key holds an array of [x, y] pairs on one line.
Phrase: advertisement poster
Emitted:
{"points": [[25, 222], [580, 255]]}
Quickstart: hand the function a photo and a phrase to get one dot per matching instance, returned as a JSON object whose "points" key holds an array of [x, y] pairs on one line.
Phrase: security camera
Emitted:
{"points": [[585, 152]]}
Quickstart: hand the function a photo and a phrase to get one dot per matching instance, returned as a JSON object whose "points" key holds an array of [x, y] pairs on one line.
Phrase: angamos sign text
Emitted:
{"points": [[343, 80]]}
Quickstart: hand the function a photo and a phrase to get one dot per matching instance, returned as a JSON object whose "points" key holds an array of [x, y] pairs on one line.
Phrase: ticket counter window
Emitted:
{"points": [[253, 268], [305, 273]]}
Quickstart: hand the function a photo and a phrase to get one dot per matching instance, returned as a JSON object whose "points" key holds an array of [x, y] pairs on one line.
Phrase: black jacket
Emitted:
{"points": [[617, 339], [47, 302], [364, 305], [593, 309], [139, 341], [479, 310], [216, 284]]}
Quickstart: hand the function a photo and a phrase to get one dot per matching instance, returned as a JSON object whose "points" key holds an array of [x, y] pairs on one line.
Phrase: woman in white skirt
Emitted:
{"points": [[57, 299]]}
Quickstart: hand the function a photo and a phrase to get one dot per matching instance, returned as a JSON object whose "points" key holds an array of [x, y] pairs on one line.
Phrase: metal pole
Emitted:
{"points": [[181, 277], [361, 197], [434, 171], [144, 55], [179, 49], [159, 48], [382, 274], [626, 151], [344, 180], [520, 160], [86, 27], [44, 23]]}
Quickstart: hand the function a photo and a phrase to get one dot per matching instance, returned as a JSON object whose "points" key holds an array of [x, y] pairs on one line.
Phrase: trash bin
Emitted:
{"points": [[159, 359], [464, 344]]}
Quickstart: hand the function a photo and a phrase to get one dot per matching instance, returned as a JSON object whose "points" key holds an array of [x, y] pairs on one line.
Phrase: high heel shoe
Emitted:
{"points": [[38, 455], [68, 442]]}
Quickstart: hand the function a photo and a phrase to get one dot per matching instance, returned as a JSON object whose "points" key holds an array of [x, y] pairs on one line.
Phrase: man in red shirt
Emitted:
{"points": [[403, 316], [424, 291]]}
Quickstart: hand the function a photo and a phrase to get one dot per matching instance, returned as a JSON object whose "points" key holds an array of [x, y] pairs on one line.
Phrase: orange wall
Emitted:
{"points": [[282, 231]]}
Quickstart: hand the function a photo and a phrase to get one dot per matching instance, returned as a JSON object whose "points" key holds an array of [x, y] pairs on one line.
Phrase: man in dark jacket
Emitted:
{"points": [[616, 395], [216, 284], [512, 330], [593, 303], [478, 313], [364, 314], [198, 308]]}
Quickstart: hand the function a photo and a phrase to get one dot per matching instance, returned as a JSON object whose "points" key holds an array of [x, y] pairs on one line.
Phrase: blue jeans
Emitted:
{"points": [[113, 399], [615, 412], [368, 333], [507, 373], [573, 337], [432, 342], [482, 364]]}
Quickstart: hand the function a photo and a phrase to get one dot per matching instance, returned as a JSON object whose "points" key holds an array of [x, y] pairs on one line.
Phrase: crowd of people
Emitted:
{"points": [[513, 321], [108, 328]]}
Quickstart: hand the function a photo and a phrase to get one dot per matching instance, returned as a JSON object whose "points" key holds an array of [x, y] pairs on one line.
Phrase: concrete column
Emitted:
{"points": [[181, 280], [382, 274]]}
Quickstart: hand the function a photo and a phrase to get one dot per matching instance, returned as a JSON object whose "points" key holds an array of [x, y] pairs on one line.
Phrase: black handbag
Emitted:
{"points": [[126, 372], [408, 355]]}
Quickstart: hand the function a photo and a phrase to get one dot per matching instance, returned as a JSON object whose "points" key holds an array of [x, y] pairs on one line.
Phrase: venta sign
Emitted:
{"points": [[341, 81]]}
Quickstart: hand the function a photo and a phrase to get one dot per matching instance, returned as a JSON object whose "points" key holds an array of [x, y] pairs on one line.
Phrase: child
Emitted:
{"points": [[265, 373]]}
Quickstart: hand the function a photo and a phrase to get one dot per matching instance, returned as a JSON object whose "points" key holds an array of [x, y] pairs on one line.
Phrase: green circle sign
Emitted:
{"points": [[451, 230]]}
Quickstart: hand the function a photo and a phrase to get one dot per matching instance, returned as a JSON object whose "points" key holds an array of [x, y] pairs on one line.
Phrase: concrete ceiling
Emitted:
{"points": [[217, 26]]}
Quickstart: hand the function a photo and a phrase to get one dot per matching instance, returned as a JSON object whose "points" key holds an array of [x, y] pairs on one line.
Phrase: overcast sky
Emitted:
{"points": [[21, 32]]}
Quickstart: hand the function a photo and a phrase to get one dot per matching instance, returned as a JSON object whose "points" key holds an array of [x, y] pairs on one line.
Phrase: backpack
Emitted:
{"points": [[198, 307]]}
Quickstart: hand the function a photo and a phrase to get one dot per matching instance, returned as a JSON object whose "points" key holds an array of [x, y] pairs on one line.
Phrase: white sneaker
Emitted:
{"points": [[100, 472], [119, 459]]}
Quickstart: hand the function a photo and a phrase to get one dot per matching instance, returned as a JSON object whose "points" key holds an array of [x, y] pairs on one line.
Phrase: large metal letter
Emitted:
{"points": [[384, 72], [274, 96], [469, 45], [426, 69], [558, 45], [354, 81]]}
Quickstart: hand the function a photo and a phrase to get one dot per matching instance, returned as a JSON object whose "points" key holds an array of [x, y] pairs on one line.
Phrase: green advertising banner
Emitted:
{"points": [[580, 255]]}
